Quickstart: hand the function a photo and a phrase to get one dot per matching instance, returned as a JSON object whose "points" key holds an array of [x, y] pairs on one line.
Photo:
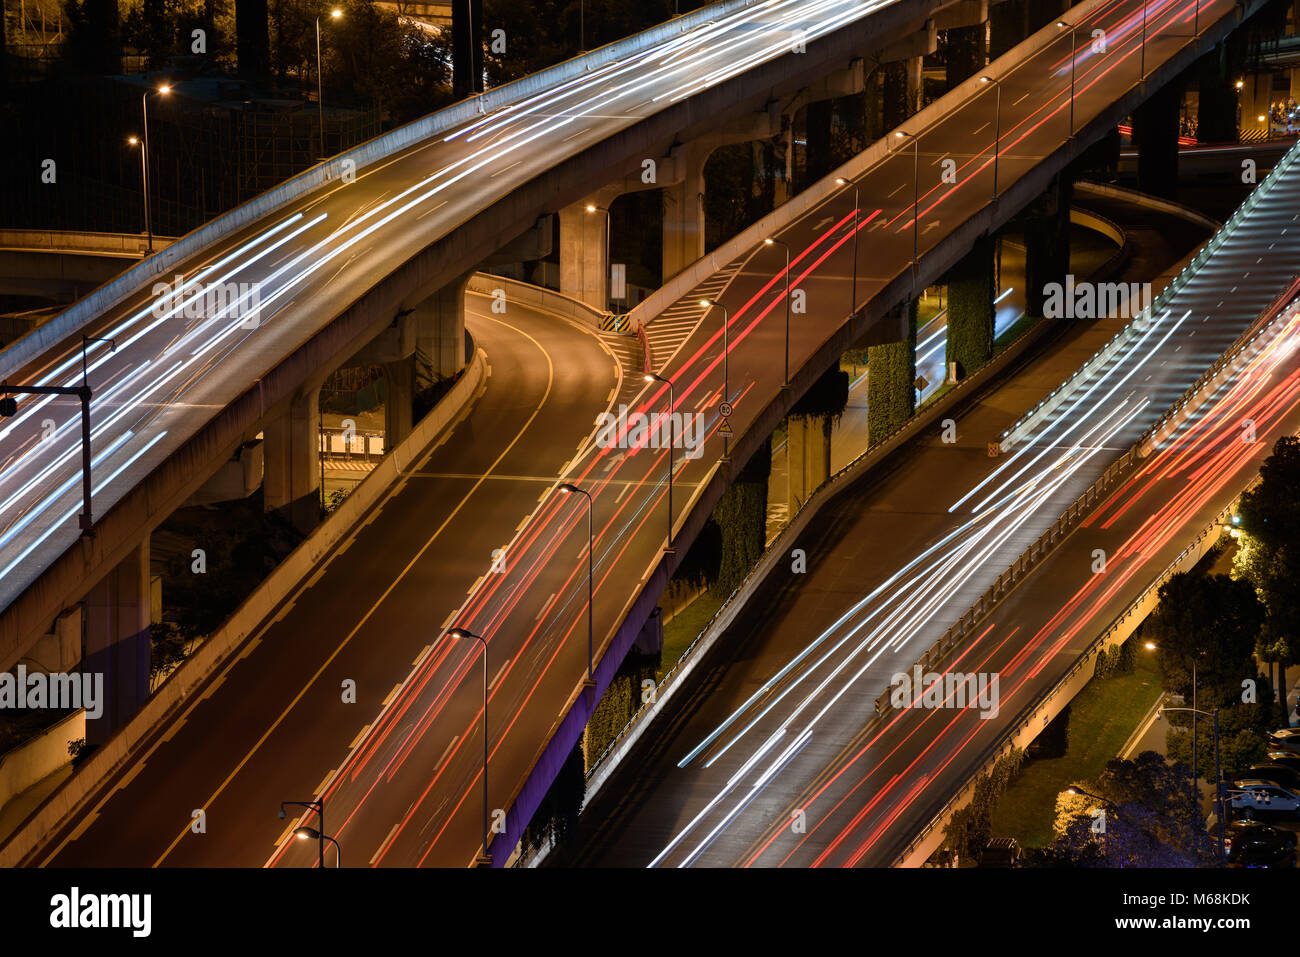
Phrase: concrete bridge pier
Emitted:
{"points": [[1155, 128], [1047, 241], [966, 25], [900, 68], [683, 229], [291, 482], [118, 616], [584, 247]]}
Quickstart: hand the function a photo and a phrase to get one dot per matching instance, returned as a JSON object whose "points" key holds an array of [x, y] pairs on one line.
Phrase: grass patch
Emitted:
{"points": [[1013, 332], [1102, 717], [685, 627]]}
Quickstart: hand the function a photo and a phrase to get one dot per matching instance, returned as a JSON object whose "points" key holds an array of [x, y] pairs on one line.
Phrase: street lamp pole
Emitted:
{"points": [[726, 352], [652, 377], [916, 195], [853, 291], [785, 383], [320, 84], [484, 858], [569, 489], [997, 130], [1152, 646], [144, 156], [1142, 59], [609, 253], [1073, 39], [318, 834], [1218, 768]]}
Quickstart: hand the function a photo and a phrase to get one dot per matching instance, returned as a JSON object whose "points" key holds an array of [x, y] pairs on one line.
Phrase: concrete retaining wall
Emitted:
{"points": [[37, 759]]}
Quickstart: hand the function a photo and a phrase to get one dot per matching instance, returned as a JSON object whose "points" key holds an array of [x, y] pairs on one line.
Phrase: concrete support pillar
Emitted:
{"points": [[1008, 25], [966, 53], [1047, 242], [902, 90], [1256, 97], [818, 161], [118, 619], [584, 248], [291, 483], [891, 373], [1216, 100], [684, 211], [782, 166], [1155, 127], [874, 107], [399, 400], [439, 323], [970, 308], [808, 457]]}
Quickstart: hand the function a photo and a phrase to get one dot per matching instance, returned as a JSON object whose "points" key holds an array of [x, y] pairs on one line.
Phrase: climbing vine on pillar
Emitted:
{"points": [[970, 308]]}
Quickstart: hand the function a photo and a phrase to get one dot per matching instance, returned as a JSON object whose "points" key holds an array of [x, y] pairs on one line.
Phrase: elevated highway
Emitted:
{"points": [[533, 612]]}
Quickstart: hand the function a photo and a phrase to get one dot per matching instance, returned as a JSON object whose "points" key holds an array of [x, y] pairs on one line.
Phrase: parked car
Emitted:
{"points": [[1251, 844], [1278, 773], [1285, 739], [1252, 796], [1288, 759]]}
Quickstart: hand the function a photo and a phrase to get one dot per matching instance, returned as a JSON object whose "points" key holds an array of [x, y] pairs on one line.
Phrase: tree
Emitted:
{"points": [[1149, 818], [1214, 620], [1269, 556]]}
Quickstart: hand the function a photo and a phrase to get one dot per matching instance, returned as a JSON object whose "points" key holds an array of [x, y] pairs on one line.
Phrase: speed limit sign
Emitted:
{"points": [[725, 409]]}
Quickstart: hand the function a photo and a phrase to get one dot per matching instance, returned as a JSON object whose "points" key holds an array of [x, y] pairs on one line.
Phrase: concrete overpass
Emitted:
{"points": [[1025, 170]]}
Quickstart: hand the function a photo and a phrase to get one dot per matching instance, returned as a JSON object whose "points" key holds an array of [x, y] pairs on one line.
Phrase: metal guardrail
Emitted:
{"points": [[1105, 353], [1035, 554]]}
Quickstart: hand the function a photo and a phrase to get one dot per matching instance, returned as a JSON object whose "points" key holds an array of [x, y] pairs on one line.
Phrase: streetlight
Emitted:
{"points": [[1218, 769], [311, 833], [1072, 28], [726, 387], [1142, 59], [1152, 646], [997, 130], [144, 155], [570, 489], [144, 182], [320, 94], [484, 859], [785, 384], [652, 377], [853, 292], [609, 238], [916, 193]]}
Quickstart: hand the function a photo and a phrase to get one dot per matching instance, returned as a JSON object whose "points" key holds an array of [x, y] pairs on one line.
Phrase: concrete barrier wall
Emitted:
{"points": [[1089, 188], [58, 240], [251, 616], [537, 297], [37, 759]]}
